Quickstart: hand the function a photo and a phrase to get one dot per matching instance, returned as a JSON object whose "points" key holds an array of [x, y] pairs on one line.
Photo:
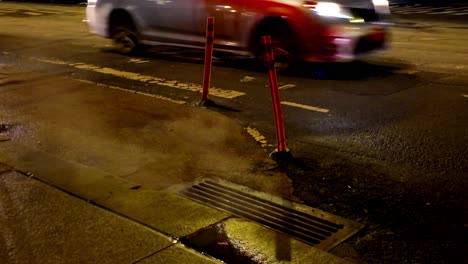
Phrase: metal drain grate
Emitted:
{"points": [[315, 227]]}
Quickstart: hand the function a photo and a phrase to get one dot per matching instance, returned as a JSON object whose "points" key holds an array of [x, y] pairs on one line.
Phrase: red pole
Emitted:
{"points": [[208, 57], [275, 96]]}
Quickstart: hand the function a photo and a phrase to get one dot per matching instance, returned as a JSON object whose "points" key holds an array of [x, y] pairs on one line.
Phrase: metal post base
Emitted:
{"points": [[281, 156]]}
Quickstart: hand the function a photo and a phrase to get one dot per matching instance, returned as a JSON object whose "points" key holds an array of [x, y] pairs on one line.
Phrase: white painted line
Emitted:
{"points": [[460, 14], [247, 79], [465, 95], [229, 94], [307, 107], [131, 91], [137, 61], [32, 13], [287, 86]]}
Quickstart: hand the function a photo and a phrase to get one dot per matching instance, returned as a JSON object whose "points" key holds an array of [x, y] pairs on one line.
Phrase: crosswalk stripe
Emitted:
{"points": [[229, 94]]}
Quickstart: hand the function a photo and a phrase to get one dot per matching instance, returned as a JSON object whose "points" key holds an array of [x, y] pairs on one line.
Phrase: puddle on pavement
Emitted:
{"points": [[213, 241]]}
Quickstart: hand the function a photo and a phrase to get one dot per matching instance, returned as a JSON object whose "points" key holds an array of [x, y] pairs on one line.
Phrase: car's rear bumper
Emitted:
{"points": [[346, 43]]}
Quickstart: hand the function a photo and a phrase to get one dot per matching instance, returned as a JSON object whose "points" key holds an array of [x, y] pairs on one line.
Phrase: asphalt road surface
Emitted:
{"points": [[442, 11], [383, 140]]}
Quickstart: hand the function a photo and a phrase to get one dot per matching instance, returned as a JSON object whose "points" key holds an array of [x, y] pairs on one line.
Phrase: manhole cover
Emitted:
{"points": [[312, 226]]}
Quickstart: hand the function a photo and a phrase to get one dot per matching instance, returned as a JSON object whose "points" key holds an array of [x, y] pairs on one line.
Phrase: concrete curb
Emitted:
{"points": [[171, 215]]}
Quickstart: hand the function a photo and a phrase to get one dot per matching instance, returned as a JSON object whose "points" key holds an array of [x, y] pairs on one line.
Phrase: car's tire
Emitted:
{"points": [[125, 39], [283, 44]]}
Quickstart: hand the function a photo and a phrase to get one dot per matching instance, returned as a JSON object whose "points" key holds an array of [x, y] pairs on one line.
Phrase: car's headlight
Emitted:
{"points": [[92, 2], [327, 9]]}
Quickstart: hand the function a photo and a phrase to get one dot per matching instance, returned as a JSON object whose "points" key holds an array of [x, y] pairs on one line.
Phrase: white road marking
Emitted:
{"points": [[137, 61], [287, 86], [460, 14], [229, 94], [465, 95], [307, 107], [131, 91], [32, 13], [247, 79]]}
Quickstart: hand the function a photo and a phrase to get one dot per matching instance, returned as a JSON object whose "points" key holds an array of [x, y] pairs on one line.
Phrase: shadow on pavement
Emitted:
{"points": [[400, 214], [214, 242], [357, 70]]}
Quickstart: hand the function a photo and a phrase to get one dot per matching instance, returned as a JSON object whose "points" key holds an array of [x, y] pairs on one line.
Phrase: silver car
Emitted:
{"points": [[325, 31]]}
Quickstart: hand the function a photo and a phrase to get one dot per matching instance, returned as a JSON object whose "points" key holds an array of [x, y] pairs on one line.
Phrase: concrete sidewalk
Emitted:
{"points": [[87, 172], [40, 224]]}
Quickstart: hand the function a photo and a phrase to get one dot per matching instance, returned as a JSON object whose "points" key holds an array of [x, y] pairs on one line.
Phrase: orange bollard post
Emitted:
{"points": [[208, 59], [282, 152]]}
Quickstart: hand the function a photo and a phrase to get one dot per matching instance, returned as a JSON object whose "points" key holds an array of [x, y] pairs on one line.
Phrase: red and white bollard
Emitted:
{"points": [[208, 59], [282, 152]]}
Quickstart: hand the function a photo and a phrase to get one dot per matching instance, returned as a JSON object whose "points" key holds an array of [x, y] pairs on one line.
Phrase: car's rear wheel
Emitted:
{"points": [[125, 40], [124, 34], [283, 44]]}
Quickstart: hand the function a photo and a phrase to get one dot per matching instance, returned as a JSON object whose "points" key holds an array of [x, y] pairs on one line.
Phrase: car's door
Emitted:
{"points": [[168, 19], [228, 21]]}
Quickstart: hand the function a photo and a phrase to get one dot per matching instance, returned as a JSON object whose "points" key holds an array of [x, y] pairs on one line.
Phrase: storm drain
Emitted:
{"points": [[312, 226]]}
